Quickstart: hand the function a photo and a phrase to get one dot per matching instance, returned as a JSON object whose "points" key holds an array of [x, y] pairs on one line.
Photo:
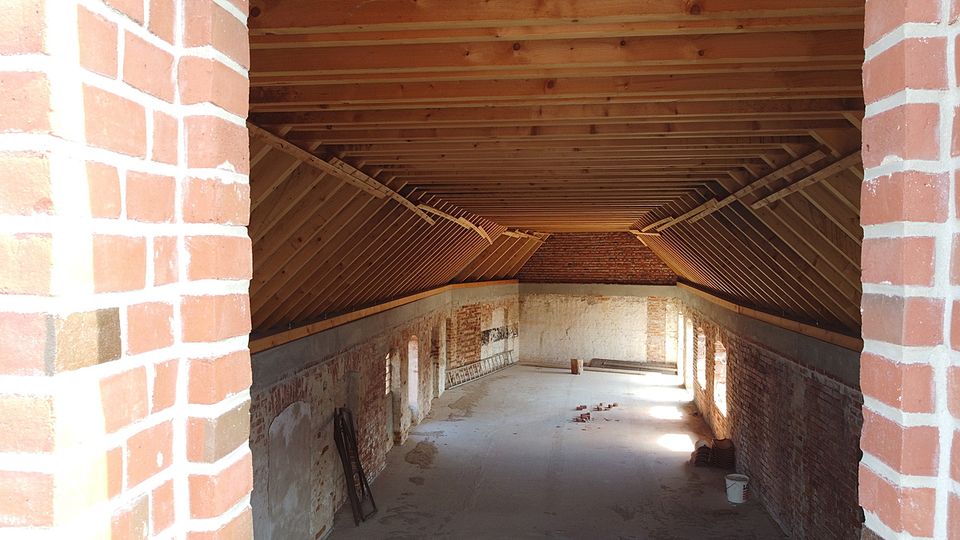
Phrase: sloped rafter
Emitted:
{"points": [[847, 162], [336, 168], [504, 258], [713, 205], [827, 274], [463, 222], [324, 246], [667, 117]]}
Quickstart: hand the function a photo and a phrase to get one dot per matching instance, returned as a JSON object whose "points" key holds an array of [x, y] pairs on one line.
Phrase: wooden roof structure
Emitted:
{"points": [[399, 145]]}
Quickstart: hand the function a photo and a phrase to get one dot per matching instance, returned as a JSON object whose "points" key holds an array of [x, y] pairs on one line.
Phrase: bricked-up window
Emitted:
{"points": [[688, 356], [386, 381], [720, 377], [413, 373], [701, 358], [681, 367]]}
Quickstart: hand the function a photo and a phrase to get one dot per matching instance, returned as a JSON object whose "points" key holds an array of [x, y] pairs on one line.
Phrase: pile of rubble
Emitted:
{"points": [[600, 407]]}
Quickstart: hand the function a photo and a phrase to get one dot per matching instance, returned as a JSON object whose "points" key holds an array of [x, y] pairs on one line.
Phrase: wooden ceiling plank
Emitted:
{"points": [[797, 233], [336, 277], [840, 165], [420, 274], [846, 187], [274, 284], [461, 221], [557, 133], [744, 141], [464, 244], [834, 286], [303, 230], [317, 16], [440, 94], [517, 265], [806, 290], [445, 268], [614, 111], [375, 189], [847, 240], [690, 250], [267, 39], [737, 266], [308, 185], [258, 151], [269, 174], [780, 47], [491, 256], [512, 264], [297, 286], [503, 266], [385, 267], [740, 261]]}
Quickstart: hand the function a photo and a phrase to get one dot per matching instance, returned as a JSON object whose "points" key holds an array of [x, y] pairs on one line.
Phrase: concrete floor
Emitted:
{"points": [[502, 458]]}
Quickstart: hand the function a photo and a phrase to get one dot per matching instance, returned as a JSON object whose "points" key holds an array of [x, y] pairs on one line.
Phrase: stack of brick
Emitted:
{"points": [[124, 264]]}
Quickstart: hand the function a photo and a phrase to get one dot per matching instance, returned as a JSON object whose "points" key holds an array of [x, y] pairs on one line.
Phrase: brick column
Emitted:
{"points": [[910, 472], [124, 263]]}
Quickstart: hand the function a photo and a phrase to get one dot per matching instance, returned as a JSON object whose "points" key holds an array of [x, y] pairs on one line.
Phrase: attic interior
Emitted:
{"points": [[442, 191]]}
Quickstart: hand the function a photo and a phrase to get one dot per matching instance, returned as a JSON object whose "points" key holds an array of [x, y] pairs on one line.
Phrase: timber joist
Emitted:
{"points": [[408, 145]]}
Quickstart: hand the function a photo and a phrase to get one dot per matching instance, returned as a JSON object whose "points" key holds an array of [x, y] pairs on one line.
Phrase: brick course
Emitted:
{"points": [[596, 258], [911, 136], [108, 322], [796, 432]]}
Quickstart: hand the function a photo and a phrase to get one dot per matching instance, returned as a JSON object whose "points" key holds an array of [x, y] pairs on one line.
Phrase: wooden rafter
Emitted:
{"points": [[462, 221], [847, 162], [708, 129], [336, 168]]}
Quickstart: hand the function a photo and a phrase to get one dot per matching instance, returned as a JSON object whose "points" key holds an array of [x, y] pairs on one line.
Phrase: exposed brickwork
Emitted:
{"points": [[796, 432], [911, 137], [596, 258], [657, 329], [111, 313], [355, 378], [465, 336]]}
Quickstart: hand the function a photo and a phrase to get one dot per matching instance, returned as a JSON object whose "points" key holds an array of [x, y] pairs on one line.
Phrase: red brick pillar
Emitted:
{"points": [[124, 263], [910, 471]]}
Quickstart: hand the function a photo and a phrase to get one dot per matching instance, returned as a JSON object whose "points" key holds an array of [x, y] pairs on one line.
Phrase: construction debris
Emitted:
{"points": [[600, 407], [576, 366], [721, 454]]}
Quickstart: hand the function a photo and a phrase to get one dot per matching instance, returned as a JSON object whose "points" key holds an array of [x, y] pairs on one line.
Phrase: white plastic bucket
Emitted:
{"points": [[737, 488]]}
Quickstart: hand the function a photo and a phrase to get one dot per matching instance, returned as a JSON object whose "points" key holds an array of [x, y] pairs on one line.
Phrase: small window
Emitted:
{"points": [[701, 359], [386, 382], [720, 377]]}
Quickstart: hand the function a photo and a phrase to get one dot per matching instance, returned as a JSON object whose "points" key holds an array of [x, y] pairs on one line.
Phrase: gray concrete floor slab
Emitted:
{"points": [[502, 458]]}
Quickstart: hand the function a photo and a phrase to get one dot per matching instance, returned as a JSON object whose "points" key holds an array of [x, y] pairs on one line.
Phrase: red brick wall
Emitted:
{"points": [[910, 472], [596, 258], [465, 336], [796, 432], [123, 356]]}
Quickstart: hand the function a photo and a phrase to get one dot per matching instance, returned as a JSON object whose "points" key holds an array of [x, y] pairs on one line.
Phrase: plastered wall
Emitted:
{"points": [[297, 387], [614, 322]]}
